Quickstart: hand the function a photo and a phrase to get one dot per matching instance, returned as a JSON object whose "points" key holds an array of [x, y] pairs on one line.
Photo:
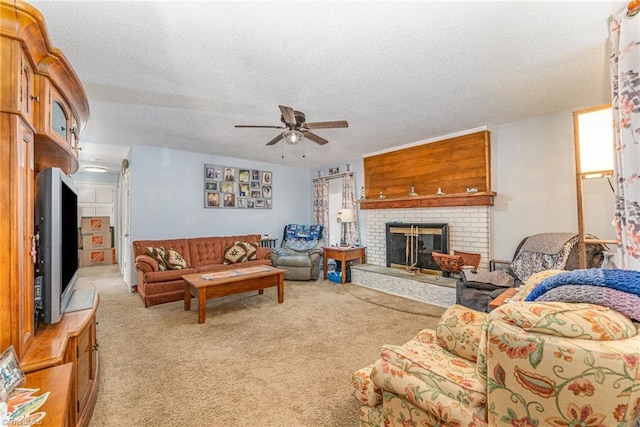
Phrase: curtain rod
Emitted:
{"points": [[338, 175]]}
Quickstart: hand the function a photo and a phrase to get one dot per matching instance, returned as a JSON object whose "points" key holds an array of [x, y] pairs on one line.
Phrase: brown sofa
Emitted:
{"points": [[202, 254]]}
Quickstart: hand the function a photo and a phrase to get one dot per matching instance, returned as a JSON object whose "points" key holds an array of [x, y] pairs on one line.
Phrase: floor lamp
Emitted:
{"points": [[593, 141]]}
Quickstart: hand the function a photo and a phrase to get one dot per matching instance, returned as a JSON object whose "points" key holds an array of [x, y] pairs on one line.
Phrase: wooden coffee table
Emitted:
{"points": [[206, 286]]}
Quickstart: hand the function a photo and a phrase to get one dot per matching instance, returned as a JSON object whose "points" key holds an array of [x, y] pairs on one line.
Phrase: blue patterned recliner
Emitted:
{"points": [[300, 252]]}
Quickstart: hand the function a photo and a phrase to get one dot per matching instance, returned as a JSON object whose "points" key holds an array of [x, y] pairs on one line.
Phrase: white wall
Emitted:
{"points": [[533, 172], [167, 197]]}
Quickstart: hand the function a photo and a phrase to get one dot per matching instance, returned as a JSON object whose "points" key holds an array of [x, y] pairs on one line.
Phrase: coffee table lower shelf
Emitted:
{"points": [[206, 286]]}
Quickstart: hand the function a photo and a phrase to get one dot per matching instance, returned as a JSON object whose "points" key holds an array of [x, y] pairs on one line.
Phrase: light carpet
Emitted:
{"points": [[254, 362]]}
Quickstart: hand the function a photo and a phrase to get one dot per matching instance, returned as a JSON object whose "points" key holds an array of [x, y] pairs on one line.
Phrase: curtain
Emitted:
{"points": [[351, 232], [321, 204], [624, 33]]}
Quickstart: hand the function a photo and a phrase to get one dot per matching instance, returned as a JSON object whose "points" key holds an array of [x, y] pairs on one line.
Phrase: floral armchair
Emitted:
{"points": [[523, 364]]}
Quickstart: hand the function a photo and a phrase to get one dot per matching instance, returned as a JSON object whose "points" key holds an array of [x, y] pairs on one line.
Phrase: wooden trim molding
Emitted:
{"points": [[434, 201]]}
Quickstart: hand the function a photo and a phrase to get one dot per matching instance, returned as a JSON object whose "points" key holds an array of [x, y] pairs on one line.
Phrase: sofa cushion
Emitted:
{"points": [[167, 275], [294, 261], [221, 267]]}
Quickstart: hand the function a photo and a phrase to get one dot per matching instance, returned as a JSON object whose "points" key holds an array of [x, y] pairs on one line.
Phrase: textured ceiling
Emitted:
{"points": [[182, 74]]}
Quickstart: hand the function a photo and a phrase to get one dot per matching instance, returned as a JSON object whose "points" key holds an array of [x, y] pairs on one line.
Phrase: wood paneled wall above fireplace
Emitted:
{"points": [[452, 165]]}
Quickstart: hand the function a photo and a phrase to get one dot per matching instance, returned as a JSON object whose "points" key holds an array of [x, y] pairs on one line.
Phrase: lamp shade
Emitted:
{"points": [[595, 136], [346, 215]]}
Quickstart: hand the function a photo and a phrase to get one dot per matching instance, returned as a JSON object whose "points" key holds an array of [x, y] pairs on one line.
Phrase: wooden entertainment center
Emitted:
{"points": [[43, 110]]}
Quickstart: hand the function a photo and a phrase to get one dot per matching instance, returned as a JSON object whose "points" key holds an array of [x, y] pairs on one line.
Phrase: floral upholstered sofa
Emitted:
{"points": [[523, 364], [162, 263]]}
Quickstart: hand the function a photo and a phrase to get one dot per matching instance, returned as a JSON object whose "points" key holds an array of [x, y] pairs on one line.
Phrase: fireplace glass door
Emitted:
{"points": [[409, 246]]}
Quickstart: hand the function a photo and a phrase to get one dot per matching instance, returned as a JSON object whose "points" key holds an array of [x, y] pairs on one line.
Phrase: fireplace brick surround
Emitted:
{"points": [[469, 229]]}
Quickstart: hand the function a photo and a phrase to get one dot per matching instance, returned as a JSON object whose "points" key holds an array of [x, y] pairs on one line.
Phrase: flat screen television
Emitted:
{"points": [[56, 223]]}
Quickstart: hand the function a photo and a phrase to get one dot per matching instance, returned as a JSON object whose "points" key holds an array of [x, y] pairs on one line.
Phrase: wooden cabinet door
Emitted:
{"points": [[60, 117], [54, 118], [16, 233], [27, 95], [85, 365], [24, 206]]}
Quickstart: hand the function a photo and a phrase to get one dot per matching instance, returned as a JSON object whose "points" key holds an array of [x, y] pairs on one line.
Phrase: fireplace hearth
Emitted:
{"points": [[409, 245]]}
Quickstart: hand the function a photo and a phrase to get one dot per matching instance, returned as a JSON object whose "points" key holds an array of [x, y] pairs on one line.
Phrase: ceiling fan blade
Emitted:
{"points": [[275, 140], [288, 114], [260, 126], [327, 125], [315, 138]]}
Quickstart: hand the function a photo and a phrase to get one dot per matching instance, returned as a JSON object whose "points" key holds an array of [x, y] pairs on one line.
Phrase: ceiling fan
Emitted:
{"points": [[297, 127]]}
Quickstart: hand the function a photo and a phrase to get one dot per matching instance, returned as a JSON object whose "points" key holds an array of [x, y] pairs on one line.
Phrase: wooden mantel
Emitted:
{"points": [[432, 201]]}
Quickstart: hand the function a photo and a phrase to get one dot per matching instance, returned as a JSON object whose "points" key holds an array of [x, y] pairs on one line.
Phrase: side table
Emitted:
{"points": [[342, 254]]}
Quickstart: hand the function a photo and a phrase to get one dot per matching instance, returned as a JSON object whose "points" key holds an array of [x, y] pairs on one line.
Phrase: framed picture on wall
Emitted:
{"points": [[244, 175], [211, 200], [227, 187], [209, 172], [229, 200], [266, 191], [229, 174], [266, 178], [237, 187]]}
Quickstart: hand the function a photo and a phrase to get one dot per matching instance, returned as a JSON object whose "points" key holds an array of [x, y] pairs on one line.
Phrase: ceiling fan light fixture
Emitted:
{"points": [[293, 136], [95, 168]]}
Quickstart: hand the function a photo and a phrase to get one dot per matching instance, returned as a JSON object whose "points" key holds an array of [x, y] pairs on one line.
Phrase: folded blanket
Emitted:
{"points": [[622, 280], [499, 278], [613, 288], [624, 302]]}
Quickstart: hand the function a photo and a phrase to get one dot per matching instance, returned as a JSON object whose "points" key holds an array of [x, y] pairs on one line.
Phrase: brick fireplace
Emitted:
{"points": [[468, 229]]}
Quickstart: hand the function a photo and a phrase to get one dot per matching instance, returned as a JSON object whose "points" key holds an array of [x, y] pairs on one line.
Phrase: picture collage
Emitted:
{"points": [[232, 187]]}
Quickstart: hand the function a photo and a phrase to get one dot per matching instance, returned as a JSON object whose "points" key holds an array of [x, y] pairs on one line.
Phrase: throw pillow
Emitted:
{"points": [[159, 255], [250, 248], [234, 254], [174, 260]]}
